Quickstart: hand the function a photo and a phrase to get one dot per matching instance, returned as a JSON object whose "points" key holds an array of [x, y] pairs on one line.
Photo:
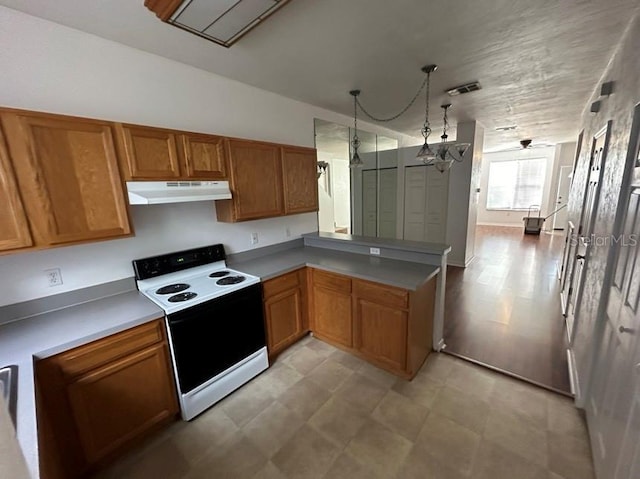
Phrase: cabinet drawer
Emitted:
{"points": [[381, 294], [100, 352], [281, 283], [332, 281]]}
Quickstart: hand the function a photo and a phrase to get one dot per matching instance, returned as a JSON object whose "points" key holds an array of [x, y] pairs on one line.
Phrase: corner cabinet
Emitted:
{"points": [[96, 400], [68, 177], [388, 326], [14, 227], [269, 180], [285, 308], [300, 180]]}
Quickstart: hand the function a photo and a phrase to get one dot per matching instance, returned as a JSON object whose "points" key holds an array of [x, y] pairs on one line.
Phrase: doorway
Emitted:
{"points": [[562, 198]]}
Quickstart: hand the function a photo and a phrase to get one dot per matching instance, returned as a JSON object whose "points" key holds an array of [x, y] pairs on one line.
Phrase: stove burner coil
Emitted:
{"points": [[173, 288], [177, 298], [229, 280]]}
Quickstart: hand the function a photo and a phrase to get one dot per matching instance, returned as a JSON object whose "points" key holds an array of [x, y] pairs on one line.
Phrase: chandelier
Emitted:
{"points": [[444, 155]]}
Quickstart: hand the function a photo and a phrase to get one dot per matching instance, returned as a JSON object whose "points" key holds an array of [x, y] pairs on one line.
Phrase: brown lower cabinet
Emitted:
{"points": [[95, 401], [387, 326], [285, 308]]}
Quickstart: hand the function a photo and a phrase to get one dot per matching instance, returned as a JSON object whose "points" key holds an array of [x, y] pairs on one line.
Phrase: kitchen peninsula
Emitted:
{"points": [[375, 278]]}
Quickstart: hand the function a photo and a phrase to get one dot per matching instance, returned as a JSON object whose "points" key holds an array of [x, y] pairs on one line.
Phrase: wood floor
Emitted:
{"points": [[503, 310]]}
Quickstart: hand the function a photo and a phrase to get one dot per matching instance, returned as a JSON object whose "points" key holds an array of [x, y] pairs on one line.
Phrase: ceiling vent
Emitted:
{"points": [[507, 128], [466, 88], [221, 21]]}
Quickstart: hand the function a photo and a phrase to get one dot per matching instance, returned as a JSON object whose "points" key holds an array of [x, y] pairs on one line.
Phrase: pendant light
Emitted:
{"points": [[426, 154], [355, 161], [448, 153]]}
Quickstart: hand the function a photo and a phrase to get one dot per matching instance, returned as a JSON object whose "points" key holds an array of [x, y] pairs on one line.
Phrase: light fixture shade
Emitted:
{"points": [[355, 161], [462, 148], [426, 154], [443, 165]]}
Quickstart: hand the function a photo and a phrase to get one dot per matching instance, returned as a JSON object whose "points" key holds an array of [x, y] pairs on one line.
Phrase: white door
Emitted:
{"points": [[564, 183], [585, 229], [437, 197], [415, 202], [387, 212], [369, 203], [425, 204], [613, 403]]}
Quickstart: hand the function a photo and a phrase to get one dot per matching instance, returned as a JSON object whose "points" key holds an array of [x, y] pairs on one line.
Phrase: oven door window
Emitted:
{"points": [[211, 337]]}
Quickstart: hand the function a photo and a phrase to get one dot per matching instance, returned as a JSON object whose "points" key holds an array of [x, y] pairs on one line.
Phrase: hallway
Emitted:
{"points": [[503, 310]]}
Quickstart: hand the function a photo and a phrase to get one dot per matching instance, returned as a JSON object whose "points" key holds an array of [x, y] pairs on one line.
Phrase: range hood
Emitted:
{"points": [[157, 192]]}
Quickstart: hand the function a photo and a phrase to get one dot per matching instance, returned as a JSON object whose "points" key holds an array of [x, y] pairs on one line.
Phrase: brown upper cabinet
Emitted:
{"points": [[14, 228], [68, 177], [300, 180], [205, 156], [149, 153], [269, 180], [255, 182]]}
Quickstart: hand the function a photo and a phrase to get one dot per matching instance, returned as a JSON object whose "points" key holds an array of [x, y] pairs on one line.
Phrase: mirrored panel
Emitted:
{"points": [[363, 200]]}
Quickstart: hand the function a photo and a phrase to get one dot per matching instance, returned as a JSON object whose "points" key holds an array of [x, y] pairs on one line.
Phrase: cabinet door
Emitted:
{"points": [[150, 153], [299, 173], [283, 315], [68, 175], [332, 315], [205, 157], [381, 333], [116, 403], [14, 228], [256, 179]]}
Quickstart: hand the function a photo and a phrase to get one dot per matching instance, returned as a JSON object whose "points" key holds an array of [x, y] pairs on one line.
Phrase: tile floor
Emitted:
{"points": [[321, 413]]}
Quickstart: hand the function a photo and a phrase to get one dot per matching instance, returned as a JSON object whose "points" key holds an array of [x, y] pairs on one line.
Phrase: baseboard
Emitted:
{"points": [[507, 225]]}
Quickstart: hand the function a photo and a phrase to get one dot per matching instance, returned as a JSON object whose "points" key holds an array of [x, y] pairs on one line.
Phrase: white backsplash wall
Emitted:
{"points": [[159, 229]]}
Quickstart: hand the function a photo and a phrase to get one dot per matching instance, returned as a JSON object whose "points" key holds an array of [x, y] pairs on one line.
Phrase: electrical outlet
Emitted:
{"points": [[287, 232], [54, 278], [254, 238], [375, 251]]}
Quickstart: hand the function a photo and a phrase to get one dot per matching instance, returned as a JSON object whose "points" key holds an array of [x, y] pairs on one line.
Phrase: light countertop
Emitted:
{"points": [[51, 333], [403, 274]]}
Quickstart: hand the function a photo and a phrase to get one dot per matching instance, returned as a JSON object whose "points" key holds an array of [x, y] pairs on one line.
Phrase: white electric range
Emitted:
{"points": [[214, 319]]}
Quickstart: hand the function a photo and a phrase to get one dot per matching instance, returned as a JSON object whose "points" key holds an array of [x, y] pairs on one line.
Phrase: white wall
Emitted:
{"points": [[514, 218], [49, 67]]}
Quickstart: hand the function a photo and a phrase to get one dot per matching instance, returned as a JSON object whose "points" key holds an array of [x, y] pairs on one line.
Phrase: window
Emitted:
{"points": [[515, 184]]}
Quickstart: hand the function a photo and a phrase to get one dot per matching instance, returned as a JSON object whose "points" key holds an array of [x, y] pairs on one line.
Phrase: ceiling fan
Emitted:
{"points": [[526, 144]]}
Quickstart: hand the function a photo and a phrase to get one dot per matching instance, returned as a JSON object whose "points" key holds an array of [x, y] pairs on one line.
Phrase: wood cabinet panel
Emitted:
{"points": [[381, 293], [332, 315], [281, 283], [98, 353], [205, 156], [332, 281], [299, 173], [381, 333], [115, 403], [90, 410], [68, 175], [14, 227], [256, 182], [283, 316], [149, 153]]}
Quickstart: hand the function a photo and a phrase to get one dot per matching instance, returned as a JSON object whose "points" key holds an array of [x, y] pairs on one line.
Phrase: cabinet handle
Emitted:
{"points": [[622, 329]]}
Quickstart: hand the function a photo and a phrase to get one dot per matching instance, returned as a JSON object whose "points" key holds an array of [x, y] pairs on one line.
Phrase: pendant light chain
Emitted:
{"points": [[404, 110]]}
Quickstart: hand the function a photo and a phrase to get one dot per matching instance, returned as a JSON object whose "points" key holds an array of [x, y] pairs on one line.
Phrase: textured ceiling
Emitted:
{"points": [[538, 61]]}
